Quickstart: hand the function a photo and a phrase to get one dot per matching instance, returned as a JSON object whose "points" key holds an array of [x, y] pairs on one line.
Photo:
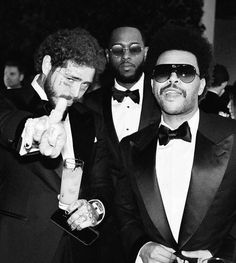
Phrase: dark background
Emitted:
{"points": [[25, 23]]}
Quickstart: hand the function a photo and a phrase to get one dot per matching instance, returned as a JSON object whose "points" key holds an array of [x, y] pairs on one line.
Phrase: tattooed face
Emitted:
{"points": [[70, 82]]}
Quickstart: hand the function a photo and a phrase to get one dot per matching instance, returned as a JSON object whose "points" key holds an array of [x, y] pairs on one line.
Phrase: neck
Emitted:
{"points": [[126, 85], [174, 121]]}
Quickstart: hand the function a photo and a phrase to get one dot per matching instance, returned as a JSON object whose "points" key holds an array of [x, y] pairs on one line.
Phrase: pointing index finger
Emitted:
{"points": [[56, 115]]}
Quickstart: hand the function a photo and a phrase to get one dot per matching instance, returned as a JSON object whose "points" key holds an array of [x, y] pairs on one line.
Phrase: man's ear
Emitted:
{"points": [[107, 55], [46, 65], [202, 86], [22, 77], [145, 52]]}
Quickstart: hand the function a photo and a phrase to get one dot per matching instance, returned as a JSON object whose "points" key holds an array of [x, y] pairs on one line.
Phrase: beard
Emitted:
{"points": [[48, 88], [129, 79], [52, 95]]}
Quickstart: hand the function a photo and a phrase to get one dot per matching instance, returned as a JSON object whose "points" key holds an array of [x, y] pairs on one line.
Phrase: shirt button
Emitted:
{"points": [[127, 129], [128, 107]]}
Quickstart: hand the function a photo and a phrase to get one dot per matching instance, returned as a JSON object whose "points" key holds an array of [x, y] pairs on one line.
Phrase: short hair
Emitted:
{"points": [[133, 25], [175, 37], [15, 63], [220, 74], [77, 45]]}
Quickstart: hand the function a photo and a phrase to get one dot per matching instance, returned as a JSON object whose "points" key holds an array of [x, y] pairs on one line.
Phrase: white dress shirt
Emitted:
{"points": [[126, 114], [174, 163]]}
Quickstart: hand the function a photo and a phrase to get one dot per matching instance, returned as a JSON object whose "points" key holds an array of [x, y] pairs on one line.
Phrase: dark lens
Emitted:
{"points": [[135, 49], [186, 73], [161, 73], [117, 50]]}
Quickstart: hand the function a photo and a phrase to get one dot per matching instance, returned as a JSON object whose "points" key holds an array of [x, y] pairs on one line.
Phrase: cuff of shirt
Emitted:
{"points": [[138, 258]]}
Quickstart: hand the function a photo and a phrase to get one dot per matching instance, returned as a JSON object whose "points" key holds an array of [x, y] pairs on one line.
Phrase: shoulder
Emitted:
{"points": [[94, 100], [140, 138], [216, 126]]}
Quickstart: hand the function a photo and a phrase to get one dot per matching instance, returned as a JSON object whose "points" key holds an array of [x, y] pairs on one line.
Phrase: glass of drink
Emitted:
{"points": [[217, 260], [70, 182], [69, 192]]}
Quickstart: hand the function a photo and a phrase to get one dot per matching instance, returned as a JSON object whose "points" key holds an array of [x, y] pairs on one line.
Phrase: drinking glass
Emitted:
{"points": [[70, 181], [69, 192]]}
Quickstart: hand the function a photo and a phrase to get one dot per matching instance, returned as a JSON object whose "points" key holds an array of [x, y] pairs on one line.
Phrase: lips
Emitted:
{"points": [[126, 65], [171, 91]]}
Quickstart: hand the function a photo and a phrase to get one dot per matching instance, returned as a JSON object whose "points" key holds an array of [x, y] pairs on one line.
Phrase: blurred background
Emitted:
{"points": [[25, 23]]}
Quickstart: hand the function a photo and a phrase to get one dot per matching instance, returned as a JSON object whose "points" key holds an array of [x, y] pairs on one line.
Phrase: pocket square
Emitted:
{"points": [[95, 140]]}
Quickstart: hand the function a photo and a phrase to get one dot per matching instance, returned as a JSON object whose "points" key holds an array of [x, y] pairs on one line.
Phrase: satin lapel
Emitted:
{"points": [[51, 171], [83, 131], [210, 162], [144, 166], [109, 120], [150, 111]]}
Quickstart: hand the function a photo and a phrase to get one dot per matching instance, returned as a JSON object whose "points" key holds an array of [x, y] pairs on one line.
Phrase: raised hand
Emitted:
{"points": [[46, 133]]}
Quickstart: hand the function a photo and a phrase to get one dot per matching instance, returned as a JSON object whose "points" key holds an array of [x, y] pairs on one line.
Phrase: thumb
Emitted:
{"points": [[56, 115]]}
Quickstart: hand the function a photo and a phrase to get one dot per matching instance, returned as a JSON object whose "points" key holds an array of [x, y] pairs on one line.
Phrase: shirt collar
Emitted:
{"points": [[40, 91], [193, 123]]}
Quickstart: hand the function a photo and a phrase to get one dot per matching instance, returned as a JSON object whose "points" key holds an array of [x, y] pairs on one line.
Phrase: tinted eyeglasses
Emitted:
{"points": [[119, 50], [184, 72]]}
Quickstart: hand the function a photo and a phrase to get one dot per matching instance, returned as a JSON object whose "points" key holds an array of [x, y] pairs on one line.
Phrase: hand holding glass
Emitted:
{"points": [[70, 186]]}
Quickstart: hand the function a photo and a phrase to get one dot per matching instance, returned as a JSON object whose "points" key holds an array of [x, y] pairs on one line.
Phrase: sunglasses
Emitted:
{"points": [[186, 73], [119, 50]]}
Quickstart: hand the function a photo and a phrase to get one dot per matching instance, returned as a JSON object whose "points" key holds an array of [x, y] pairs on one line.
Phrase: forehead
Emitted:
{"points": [[126, 35], [82, 72], [177, 57], [11, 69]]}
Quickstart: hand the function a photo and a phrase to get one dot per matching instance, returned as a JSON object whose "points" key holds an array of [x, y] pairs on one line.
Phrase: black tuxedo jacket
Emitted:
{"points": [[212, 103], [210, 209], [101, 101], [29, 185]]}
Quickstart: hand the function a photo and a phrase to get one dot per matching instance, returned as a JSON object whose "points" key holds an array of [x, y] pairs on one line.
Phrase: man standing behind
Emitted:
{"points": [[67, 62], [214, 101], [178, 198], [126, 98], [13, 74], [127, 101]]}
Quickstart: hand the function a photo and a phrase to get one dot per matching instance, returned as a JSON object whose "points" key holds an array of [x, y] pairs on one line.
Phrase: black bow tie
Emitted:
{"points": [[183, 132], [119, 94]]}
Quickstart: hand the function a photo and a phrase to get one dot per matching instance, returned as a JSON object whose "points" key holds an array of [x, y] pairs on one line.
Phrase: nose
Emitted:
{"points": [[173, 77], [126, 53], [75, 90]]}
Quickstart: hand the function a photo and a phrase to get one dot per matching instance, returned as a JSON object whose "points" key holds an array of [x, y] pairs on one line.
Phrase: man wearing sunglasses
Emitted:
{"points": [[128, 104], [177, 200]]}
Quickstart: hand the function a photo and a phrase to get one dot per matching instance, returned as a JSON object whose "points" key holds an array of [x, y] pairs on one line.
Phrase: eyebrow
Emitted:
{"points": [[72, 77], [122, 44]]}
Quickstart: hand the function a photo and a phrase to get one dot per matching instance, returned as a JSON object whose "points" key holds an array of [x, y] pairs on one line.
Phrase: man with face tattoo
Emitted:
{"points": [[49, 115]]}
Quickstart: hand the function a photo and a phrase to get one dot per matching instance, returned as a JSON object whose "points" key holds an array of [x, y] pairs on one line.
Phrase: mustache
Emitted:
{"points": [[174, 86]]}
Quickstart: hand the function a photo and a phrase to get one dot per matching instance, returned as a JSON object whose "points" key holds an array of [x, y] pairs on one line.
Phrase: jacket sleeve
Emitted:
{"points": [[228, 247], [12, 123], [101, 186], [130, 223]]}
